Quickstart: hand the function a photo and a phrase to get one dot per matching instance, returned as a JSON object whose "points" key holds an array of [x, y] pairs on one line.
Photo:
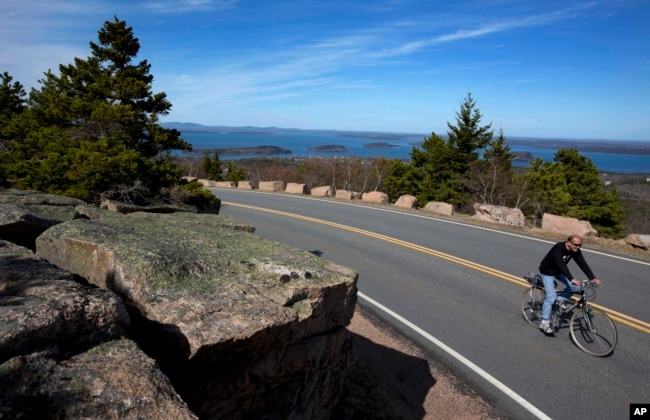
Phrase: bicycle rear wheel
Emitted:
{"points": [[531, 306], [593, 332]]}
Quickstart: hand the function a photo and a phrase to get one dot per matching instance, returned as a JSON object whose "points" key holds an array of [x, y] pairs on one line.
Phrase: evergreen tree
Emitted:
{"points": [[439, 170], [12, 104], [96, 124], [570, 186], [468, 137], [401, 180], [491, 178], [498, 152], [211, 166], [236, 173], [434, 171]]}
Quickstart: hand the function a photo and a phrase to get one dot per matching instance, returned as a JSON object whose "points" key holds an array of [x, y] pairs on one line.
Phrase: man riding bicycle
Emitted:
{"points": [[554, 265]]}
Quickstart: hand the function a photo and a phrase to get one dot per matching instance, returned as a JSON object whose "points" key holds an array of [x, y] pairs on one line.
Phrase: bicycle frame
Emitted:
{"points": [[590, 329], [536, 282], [558, 315]]}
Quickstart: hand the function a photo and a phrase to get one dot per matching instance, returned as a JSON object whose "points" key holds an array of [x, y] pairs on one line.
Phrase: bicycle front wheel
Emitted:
{"points": [[531, 306], [593, 332]]}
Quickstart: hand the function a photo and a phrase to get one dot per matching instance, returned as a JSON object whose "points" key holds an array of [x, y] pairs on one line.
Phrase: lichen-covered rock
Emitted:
{"points": [[295, 188], [126, 208], [344, 194], [114, 380], [245, 185], [26, 214], [567, 225], [273, 186], [638, 241], [302, 381], [500, 214], [43, 309], [375, 197], [324, 191], [225, 184], [211, 302], [407, 201], [440, 208]]}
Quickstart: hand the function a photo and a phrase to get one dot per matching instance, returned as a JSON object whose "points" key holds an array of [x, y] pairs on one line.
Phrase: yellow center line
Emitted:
{"points": [[617, 316]]}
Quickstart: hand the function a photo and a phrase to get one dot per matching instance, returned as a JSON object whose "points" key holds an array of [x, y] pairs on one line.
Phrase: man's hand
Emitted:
{"points": [[576, 282], [596, 282]]}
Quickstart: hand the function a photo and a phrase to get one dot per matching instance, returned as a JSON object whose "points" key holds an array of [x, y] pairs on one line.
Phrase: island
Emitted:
{"points": [[526, 156], [381, 146], [328, 148]]}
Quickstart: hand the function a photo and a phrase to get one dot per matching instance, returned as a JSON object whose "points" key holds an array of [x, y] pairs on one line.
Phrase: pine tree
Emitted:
{"points": [[468, 137], [211, 166], [236, 173], [95, 124], [439, 170], [491, 178], [12, 104], [570, 186]]}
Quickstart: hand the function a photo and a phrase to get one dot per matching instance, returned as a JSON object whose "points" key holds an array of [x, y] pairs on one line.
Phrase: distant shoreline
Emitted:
{"points": [[255, 150], [604, 146], [622, 147], [607, 156]]}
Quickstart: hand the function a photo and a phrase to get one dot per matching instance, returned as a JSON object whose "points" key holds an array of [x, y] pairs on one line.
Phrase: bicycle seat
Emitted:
{"points": [[536, 280], [533, 278]]}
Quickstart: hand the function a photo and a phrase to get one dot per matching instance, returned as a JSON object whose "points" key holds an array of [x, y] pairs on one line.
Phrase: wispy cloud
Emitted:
{"points": [[316, 64], [490, 29], [185, 6]]}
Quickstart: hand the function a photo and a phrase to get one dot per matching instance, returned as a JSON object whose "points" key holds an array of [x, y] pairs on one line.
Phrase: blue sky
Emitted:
{"points": [[560, 69]]}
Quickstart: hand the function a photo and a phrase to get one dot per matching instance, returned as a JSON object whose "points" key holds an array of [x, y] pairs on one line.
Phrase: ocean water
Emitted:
{"points": [[299, 143]]}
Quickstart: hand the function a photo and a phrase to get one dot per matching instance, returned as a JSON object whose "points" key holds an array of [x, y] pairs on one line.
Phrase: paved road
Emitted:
{"points": [[461, 285]]}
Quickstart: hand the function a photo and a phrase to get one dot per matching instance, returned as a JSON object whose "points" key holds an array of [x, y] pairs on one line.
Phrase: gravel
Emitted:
{"points": [[392, 378]]}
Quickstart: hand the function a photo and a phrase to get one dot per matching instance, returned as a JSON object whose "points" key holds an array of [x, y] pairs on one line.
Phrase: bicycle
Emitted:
{"points": [[591, 329]]}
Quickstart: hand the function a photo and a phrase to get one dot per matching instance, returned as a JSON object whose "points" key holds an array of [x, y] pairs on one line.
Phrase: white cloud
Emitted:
{"points": [[185, 6]]}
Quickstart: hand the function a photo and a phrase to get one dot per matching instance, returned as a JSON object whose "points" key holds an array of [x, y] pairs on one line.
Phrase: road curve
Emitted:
{"points": [[460, 285]]}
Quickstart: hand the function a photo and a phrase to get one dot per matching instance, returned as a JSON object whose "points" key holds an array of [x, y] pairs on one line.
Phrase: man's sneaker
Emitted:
{"points": [[562, 305], [545, 326]]}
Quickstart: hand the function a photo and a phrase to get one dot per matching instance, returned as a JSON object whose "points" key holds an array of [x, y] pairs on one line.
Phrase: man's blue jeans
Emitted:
{"points": [[551, 294]]}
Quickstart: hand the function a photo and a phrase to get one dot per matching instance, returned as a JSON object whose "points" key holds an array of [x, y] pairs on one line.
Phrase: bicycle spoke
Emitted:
{"points": [[531, 306], [593, 332]]}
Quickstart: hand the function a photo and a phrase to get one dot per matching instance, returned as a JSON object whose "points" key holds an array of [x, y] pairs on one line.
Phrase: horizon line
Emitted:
{"points": [[391, 132]]}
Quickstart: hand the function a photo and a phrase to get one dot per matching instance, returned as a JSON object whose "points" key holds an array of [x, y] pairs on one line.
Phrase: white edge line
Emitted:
{"points": [[459, 357]]}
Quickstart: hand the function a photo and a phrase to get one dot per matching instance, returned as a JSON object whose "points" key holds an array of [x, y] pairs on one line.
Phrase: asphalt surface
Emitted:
{"points": [[455, 289]]}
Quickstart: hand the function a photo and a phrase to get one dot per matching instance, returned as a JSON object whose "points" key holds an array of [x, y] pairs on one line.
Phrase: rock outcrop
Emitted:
{"points": [[499, 214], [27, 214], [225, 184], [638, 241], [273, 186], [295, 188], [375, 197], [125, 208], [440, 208], [324, 191], [407, 201], [567, 225], [190, 313], [344, 194], [112, 380], [245, 185]]}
